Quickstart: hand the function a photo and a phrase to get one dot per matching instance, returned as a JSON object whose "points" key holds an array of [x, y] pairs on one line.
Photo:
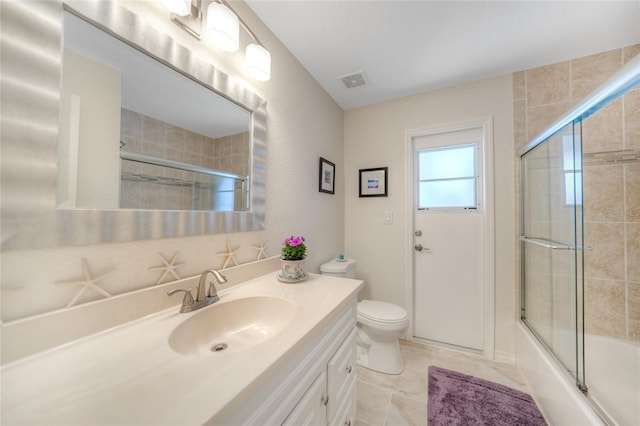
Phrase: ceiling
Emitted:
{"points": [[410, 47]]}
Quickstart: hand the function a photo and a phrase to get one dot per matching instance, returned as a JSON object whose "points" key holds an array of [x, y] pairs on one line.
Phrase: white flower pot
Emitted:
{"points": [[293, 270]]}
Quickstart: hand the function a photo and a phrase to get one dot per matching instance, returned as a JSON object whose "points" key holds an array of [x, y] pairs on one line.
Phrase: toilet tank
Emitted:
{"points": [[340, 268]]}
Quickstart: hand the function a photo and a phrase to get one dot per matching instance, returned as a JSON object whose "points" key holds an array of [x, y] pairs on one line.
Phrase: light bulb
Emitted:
{"points": [[258, 62], [179, 7], [222, 27]]}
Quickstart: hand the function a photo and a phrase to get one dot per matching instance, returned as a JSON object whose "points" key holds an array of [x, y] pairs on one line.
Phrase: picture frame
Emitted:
{"points": [[373, 182], [327, 176]]}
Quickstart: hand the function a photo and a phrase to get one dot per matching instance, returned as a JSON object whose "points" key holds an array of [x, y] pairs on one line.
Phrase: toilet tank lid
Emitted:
{"points": [[338, 266], [382, 311]]}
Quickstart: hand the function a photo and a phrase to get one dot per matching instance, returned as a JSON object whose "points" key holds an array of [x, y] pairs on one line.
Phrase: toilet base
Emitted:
{"points": [[383, 357]]}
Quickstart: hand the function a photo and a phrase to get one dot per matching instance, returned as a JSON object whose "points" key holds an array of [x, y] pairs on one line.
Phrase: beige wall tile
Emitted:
{"points": [[630, 52], [541, 117], [519, 86], [520, 121], [633, 306], [605, 308], [633, 251], [548, 84], [605, 260], [174, 138], [603, 197], [193, 143], [632, 192], [632, 137], [130, 123], [631, 102], [603, 130], [152, 131], [591, 71]]}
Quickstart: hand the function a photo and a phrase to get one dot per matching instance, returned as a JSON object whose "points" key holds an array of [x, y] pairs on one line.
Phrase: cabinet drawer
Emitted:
{"points": [[340, 369]]}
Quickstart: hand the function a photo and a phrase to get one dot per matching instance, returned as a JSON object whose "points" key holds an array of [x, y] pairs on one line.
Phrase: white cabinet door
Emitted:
{"points": [[311, 409], [341, 371], [346, 415]]}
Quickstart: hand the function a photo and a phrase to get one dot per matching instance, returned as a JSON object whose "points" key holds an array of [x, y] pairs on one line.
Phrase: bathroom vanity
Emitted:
{"points": [[279, 354]]}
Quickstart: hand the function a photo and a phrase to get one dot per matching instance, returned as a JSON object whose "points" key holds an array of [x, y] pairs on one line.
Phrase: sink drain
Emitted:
{"points": [[218, 347]]}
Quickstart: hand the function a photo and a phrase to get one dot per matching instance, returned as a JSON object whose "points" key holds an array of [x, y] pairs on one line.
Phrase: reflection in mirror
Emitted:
{"points": [[31, 214], [136, 134]]}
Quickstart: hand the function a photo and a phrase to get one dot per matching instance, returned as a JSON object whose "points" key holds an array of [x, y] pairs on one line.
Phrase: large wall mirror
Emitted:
{"points": [[152, 141]]}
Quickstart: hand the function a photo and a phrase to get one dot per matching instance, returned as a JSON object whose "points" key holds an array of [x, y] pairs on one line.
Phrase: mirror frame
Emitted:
{"points": [[30, 216]]}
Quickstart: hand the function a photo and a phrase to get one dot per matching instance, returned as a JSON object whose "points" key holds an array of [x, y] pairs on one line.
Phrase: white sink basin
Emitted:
{"points": [[230, 327]]}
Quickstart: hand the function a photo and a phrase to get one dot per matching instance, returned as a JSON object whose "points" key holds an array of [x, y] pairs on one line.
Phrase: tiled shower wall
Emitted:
{"points": [[611, 174], [146, 135]]}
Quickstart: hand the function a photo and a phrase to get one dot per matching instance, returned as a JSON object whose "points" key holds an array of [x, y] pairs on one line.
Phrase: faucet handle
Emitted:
{"points": [[187, 301]]}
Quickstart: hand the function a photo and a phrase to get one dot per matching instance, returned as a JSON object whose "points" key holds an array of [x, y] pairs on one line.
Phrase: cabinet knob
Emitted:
{"points": [[349, 369], [325, 400]]}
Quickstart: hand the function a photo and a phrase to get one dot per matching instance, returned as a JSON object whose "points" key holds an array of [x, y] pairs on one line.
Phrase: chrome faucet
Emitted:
{"points": [[211, 292], [204, 296]]}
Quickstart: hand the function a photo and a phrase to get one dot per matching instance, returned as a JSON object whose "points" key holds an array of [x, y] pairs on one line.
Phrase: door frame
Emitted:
{"points": [[486, 125]]}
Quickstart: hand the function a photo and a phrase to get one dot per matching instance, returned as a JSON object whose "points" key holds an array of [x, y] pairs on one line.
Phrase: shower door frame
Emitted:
{"points": [[624, 80]]}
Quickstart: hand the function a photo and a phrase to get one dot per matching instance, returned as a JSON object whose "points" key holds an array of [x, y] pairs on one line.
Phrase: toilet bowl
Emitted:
{"points": [[380, 325]]}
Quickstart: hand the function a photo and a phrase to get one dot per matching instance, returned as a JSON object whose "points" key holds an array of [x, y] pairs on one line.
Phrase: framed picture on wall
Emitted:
{"points": [[373, 182], [327, 179]]}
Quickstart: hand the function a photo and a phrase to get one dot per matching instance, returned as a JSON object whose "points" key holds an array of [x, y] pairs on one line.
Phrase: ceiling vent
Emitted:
{"points": [[357, 79]]}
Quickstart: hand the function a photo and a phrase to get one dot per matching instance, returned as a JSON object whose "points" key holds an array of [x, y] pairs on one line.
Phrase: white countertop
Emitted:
{"points": [[129, 374]]}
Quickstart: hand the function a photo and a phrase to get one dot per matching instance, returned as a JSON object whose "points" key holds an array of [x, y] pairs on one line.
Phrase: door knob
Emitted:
{"points": [[418, 233], [418, 247]]}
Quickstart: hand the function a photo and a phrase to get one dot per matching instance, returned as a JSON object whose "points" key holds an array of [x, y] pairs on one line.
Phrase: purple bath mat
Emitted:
{"points": [[460, 399]]}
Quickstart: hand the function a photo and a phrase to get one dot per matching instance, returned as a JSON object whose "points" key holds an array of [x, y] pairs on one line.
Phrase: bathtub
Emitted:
{"points": [[613, 377]]}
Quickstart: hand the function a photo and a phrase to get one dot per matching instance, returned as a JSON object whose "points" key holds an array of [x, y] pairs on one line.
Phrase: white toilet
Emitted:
{"points": [[380, 325]]}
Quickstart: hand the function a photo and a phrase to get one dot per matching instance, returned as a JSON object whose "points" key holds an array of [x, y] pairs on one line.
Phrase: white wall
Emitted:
{"points": [[304, 123], [375, 136]]}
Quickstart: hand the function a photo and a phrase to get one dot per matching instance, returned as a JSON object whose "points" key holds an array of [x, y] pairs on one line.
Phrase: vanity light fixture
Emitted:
{"points": [[179, 7], [222, 26]]}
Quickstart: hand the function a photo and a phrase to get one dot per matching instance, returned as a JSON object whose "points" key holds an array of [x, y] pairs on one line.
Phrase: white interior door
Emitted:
{"points": [[449, 262]]}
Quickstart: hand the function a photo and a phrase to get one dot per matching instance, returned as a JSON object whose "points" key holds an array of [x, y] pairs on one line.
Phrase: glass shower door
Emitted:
{"points": [[551, 247]]}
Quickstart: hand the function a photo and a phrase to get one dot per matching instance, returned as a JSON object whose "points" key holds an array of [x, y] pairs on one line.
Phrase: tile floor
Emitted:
{"points": [[397, 400]]}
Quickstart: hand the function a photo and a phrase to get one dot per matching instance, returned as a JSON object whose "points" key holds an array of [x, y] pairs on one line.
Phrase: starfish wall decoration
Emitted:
{"points": [[262, 249], [230, 254], [87, 281], [168, 267]]}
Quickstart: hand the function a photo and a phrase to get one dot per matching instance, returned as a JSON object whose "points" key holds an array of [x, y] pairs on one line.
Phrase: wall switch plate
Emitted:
{"points": [[388, 217]]}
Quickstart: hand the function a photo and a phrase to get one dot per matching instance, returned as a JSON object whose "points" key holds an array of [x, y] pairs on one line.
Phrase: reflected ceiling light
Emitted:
{"points": [[179, 7], [222, 27], [258, 62]]}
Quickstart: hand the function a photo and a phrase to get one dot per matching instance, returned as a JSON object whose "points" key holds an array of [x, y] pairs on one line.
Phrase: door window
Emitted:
{"points": [[448, 178]]}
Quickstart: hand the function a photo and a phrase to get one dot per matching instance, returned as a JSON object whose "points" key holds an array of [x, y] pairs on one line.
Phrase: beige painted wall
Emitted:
{"points": [[304, 123], [375, 136]]}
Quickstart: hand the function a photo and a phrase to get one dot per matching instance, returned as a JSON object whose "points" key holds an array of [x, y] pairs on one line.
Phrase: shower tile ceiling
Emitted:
{"points": [[410, 47]]}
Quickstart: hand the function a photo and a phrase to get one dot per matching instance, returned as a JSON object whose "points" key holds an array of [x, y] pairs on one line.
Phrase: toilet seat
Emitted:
{"points": [[382, 312]]}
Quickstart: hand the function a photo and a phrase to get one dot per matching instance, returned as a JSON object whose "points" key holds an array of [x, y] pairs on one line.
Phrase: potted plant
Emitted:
{"points": [[293, 253]]}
